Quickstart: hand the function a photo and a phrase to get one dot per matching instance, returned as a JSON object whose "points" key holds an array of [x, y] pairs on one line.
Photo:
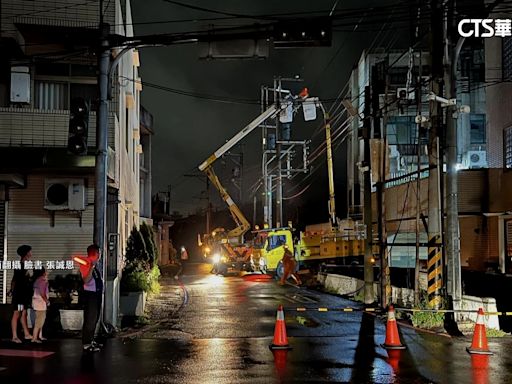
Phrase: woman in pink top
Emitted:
{"points": [[39, 303]]}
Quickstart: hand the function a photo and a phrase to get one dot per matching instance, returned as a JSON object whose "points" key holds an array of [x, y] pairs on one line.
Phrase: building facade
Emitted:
{"points": [[47, 193], [485, 231]]}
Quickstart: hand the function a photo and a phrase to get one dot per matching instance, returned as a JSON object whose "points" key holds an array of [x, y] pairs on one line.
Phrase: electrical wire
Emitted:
{"points": [[202, 96]]}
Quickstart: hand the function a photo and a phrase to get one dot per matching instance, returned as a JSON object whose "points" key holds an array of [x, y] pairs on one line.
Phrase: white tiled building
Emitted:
{"points": [[48, 58]]}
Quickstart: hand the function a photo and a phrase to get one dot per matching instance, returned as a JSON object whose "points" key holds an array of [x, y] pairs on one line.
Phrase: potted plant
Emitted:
{"points": [[140, 274], [66, 289]]}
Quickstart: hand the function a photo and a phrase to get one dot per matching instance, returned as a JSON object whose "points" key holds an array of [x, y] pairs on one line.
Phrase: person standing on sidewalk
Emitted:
{"points": [[40, 303], [21, 290], [92, 294]]}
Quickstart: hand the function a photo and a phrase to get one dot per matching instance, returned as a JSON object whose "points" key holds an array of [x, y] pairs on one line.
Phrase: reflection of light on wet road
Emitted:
{"points": [[212, 280]]}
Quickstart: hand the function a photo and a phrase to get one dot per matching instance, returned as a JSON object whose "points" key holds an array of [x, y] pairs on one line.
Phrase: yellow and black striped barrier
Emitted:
{"points": [[435, 272], [327, 309], [380, 310]]}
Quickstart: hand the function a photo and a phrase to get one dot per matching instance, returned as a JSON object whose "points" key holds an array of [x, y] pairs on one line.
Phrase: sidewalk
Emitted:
{"points": [[61, 360], [161, 308]]}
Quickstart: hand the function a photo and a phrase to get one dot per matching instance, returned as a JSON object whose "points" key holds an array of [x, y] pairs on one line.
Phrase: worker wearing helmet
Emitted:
{"points": [[289, 265]]}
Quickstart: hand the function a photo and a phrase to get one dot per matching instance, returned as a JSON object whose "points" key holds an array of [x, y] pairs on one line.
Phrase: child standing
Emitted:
{"points": [[39, 303]]}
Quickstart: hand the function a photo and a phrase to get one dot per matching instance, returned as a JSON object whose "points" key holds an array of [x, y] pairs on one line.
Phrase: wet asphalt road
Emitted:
{"points": [[221, 335]]}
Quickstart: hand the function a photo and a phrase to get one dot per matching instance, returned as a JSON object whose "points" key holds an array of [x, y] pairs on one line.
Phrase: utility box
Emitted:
{"points": [[20, 85]]}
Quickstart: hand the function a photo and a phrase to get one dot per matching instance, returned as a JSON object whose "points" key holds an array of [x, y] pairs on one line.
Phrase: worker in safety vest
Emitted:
{"points": [[184, 254], [289, 265]]}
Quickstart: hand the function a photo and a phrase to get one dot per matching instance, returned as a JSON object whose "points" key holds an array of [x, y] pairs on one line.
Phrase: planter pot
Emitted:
{"points": [[71, 319], [133, 303]]}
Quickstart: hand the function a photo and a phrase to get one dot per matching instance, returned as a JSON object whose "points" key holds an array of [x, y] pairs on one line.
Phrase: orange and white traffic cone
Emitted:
{"points": [[479, 344], [280, 339], [392, 337]]}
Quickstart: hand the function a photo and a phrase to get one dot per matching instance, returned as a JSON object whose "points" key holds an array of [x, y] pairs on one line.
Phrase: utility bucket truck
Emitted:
{"points": [[226, 247], [335, 242], [320, 243]]}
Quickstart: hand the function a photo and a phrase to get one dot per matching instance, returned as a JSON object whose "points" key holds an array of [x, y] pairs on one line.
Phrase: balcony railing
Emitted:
{"points": [[24, 127]]}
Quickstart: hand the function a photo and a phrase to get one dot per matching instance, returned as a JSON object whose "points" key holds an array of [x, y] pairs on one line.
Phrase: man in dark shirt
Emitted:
{"points": [[21, 290], [92, 296]]}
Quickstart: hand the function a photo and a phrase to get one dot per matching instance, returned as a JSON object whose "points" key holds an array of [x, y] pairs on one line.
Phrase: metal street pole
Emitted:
{"points": [[100, 190]]}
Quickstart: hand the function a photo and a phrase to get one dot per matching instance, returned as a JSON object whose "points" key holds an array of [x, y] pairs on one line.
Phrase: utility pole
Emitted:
{"points": [[385, 281], [435, 240], [330, 171], [367, 185], [279, 185], [454, 284]]}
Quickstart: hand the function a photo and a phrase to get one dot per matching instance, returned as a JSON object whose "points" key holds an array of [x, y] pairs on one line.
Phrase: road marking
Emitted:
{"points": [[25, 353]]}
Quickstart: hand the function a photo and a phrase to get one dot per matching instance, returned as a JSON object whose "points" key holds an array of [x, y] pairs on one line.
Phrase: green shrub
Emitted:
{"points": [[491, 332], [137, 256], [427, 320], [136, 281], [140, 272], [149, 240]]}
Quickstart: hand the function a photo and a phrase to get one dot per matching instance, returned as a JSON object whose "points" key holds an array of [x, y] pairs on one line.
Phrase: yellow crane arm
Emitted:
{"points": [[242, 224]]}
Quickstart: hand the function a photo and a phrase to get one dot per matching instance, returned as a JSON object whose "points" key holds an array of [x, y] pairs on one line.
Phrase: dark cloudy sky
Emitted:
{"points": [[188, 130]]}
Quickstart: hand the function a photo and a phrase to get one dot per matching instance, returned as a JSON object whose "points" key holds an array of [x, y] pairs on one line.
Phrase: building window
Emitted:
{"points": [[477, 130], [55, 95], [401, 130], [51, 95], [508, 147], [507, 58], [87, 91]]}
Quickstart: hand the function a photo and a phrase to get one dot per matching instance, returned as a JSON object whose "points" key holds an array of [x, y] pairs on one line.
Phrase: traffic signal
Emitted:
{"points": [[78, 126], [303, 33]]}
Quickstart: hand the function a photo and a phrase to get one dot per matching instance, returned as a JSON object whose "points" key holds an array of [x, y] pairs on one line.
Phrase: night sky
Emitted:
{"points": [[189, 129]]}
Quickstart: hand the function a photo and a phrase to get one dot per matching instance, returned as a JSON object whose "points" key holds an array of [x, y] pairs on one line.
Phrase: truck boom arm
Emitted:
{"points": [[239, 218], [271, 112], [207, 166]]}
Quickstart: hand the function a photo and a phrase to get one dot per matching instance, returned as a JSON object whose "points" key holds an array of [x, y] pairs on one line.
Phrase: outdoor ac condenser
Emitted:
{"points": [[64, 194], [475, 159]]}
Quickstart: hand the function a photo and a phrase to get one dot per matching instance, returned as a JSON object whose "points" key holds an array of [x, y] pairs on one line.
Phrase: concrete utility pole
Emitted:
{"points": [[435, 241], [385, 280], [367, 201], [454, 284]]}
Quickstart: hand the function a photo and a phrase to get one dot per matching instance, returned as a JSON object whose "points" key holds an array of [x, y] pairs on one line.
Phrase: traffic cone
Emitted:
{"points": [[280, 339], [479, 344], [392, 338], [480, 369]]}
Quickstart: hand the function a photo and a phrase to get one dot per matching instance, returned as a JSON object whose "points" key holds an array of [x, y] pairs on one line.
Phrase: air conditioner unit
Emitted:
{"points": [[64, 194], [475, 159], [405, 94]]}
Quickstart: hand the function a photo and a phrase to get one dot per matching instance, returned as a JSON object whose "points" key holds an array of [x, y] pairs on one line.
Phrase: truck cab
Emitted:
{"points": [[268, 248]]}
